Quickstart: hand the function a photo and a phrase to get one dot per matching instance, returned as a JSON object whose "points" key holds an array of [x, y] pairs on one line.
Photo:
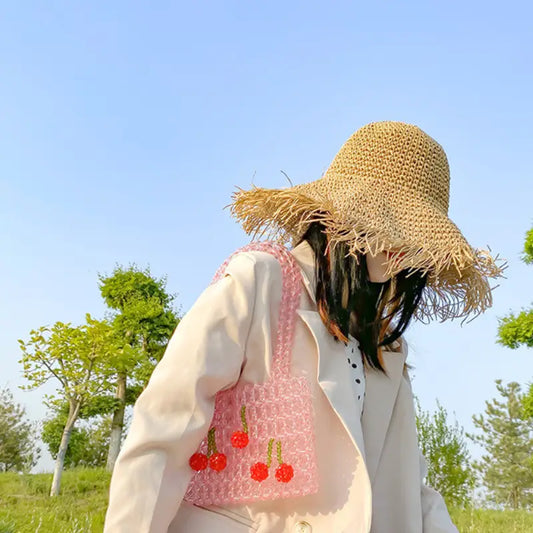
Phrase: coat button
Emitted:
{"points": [[302, 527]]}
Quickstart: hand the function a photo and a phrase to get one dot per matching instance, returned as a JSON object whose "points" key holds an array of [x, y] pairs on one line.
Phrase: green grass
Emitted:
{"points": [[488, 521], [25, 506]]}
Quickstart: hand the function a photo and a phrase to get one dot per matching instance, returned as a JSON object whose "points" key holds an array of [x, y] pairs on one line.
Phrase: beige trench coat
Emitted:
{"points": [[371, 474]]}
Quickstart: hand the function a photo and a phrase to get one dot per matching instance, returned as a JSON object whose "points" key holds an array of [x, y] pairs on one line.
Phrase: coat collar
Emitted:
{"points": [[368, 436], [304, 255]]}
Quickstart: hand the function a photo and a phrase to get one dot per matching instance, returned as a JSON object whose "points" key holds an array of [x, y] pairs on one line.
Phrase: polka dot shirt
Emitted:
{"points": [[354, 361]]}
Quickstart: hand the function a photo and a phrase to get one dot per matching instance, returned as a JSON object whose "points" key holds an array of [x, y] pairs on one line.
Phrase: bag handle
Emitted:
{"points": [[290, 299]]}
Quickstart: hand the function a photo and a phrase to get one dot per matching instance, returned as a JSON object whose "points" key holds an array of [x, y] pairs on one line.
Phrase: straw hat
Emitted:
{"points": [[387, 188]]}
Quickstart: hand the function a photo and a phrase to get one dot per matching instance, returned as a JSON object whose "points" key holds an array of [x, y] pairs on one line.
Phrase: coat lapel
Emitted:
{"points": [[381, 391], [334, 377]]}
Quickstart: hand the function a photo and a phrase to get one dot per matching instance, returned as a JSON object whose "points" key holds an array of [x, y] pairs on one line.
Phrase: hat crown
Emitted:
{"points": [[397, 155]]}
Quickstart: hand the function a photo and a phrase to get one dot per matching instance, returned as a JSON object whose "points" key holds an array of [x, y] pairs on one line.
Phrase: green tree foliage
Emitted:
{"points": [[447, 457], [517, 330], [527, 402], [507, 437], [18, 452], [143, 320], [527, 256], [77, 359]]}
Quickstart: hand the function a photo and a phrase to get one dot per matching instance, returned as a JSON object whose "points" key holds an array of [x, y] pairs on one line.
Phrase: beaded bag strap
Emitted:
{"points": [[290, 293]]}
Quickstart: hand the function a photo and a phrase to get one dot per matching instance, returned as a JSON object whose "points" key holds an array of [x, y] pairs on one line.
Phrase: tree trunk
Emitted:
{"points": [[73, 412], [118, 423]]}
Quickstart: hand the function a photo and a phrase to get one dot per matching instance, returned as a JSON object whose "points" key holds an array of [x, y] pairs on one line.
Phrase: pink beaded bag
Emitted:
{"points": [[260, 444]]}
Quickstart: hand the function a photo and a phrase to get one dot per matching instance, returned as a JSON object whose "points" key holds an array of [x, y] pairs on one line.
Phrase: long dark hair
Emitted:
{"points": [[350, 304]]}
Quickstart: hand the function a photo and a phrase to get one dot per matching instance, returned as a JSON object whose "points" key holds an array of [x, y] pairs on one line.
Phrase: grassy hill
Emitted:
{"points": [[25, 507]]}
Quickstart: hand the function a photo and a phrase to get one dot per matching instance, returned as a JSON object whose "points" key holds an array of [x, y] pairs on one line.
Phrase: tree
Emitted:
{"points": [[517, 330], [89, 442], [76, 357], [18, 452], [143, 321], [52, 433], [447, 457], [514, 331], [507, 437]]}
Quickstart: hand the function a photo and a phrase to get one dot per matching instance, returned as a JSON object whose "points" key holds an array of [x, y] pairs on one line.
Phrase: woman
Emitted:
{"points": [[374, 248]]}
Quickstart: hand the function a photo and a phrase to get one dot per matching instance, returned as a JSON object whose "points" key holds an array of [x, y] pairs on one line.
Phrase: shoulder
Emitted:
{"points": [[255, 276], [255, 258], [255, 266]]}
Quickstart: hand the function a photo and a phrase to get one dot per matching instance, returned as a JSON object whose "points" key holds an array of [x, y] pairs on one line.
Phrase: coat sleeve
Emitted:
{"points": [[205, 354], [435, 516]]}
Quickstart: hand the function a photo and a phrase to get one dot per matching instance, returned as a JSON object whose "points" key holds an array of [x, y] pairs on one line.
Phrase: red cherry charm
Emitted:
{"points": [[218, 461], [198, 461], [259, 471], [284, 473], [239, 439]]}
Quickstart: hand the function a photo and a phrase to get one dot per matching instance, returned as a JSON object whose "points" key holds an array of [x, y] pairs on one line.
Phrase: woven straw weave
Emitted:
{"points": [[279, 409], [387, 188]]}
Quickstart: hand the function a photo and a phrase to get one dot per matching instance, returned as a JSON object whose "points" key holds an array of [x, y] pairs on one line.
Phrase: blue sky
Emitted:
{"points": [[126, 126]]}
